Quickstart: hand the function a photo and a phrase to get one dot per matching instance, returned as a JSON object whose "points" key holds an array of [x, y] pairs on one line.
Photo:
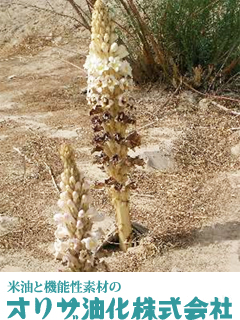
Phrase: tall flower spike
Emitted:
{"points": [[109, 80], [75, 242]]}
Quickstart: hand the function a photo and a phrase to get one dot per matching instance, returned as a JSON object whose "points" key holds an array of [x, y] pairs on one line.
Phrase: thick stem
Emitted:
{"points": [[121, 204]]}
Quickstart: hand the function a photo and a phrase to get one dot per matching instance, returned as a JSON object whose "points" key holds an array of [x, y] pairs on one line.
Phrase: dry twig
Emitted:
{"points": [[52, 176], [212, 96], [235, 113], [72, 64]]}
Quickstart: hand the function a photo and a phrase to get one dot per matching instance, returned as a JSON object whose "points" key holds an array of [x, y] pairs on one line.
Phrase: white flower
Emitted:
{"points": [[60, 248], [69, 218], [94, 215], [61, 204], [113, 38], [61, 232], [114, 63], [58, 217], [122, 52], [90, 243], [101, 66], [94, 98], [98, 217], [110, 82], [126, 69], [95, 65], [91, 211], [76, 243], [105, 100], [125, 84]]}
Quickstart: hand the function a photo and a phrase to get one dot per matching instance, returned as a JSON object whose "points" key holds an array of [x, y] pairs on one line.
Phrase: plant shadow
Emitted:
{"points": [[217, 233]]}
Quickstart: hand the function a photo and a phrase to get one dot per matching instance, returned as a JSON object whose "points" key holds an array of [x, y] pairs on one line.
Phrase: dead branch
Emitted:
{"points": [[235, 113], [80, 12], [207, 95], [72, 64]]}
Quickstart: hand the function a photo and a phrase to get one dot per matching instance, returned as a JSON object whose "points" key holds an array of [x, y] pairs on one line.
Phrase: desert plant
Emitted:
{"points": [[75, 241], [185, 35], [109, 80]]}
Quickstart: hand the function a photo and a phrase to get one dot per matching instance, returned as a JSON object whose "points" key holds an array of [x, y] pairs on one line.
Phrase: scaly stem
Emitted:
{"points": [[120, 200]]}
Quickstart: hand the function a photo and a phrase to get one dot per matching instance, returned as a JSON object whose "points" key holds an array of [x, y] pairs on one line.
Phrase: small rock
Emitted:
{"points": [[84, 91], [7, 223], [203, 104], [58, 40], [155, 157], [12, 77]]}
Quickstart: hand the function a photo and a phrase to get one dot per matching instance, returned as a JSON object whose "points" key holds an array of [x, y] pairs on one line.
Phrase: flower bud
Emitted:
{"points": [[62, 186], [64, 178], [79, 224], [81, 214], [69, 218], [71, 205], [85, 185], [78, 186], [64, 196], [113, 47], [75, 196]]}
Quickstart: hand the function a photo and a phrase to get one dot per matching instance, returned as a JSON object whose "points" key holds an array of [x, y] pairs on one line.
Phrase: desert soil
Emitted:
{"points": [[188, 193]]}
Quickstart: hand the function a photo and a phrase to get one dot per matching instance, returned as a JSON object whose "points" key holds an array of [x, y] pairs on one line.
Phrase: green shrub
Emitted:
{"points": [[199, 39]]}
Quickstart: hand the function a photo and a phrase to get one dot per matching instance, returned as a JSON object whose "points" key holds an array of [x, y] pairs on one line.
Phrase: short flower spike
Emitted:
{"points": [[75, 241]]}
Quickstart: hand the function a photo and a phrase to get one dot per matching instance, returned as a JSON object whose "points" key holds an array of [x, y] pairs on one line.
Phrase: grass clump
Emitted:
{"points": [[198, 40]]}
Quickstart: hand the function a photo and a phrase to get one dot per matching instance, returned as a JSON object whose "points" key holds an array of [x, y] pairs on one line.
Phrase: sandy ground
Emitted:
{"points": [[188, 194]]}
